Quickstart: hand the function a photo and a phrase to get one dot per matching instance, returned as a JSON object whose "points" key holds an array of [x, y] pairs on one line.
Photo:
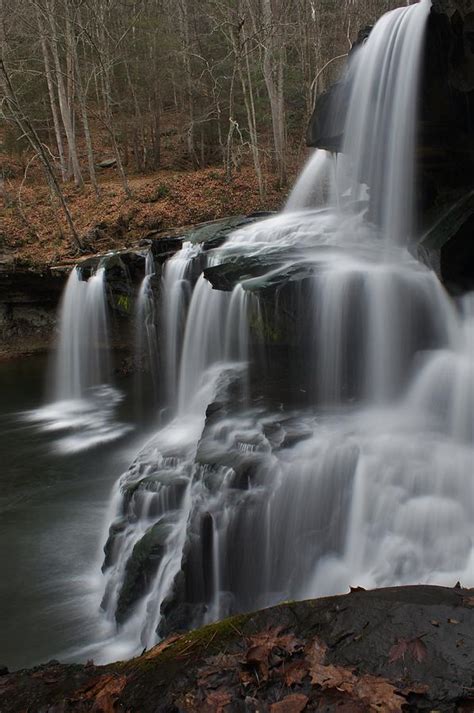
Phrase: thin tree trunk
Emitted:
{"points": [[66, 112], [273, 73], [52, 97], [27, 129], [84, 116]]}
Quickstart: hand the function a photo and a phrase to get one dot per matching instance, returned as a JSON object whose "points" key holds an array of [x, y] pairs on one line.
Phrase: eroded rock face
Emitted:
{"points": [[28, 304]]}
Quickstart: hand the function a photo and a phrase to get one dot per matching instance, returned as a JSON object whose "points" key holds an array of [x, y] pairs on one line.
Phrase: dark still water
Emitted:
{"points": [[52, 524]]}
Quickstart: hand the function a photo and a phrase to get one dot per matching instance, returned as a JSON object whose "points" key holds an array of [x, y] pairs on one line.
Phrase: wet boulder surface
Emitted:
{"points": [[397, 649]]}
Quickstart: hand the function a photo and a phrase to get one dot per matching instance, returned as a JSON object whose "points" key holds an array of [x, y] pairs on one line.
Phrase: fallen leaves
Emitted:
{"points": [[264, 644], [159, 648], [103, 693], [295, 703], [415, 648]]}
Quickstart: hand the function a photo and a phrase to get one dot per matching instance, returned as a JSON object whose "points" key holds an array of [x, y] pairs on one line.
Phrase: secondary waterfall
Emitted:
{"points": [[82, 404], [83, 349], [146, 338], [321, 395]]}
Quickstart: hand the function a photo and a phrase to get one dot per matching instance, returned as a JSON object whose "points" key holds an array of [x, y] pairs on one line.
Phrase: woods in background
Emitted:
{"points": [[146, 84]]}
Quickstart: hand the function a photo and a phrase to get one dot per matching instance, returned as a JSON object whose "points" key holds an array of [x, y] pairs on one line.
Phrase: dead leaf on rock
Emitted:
{"points": [[262, 645], [217, 668], [367, 692], [295, 672], [468, 601], [378, 694], [162, 646], [103, 693], [415, 648], [453, 621], [295, 703], [418, 649], [398, 650], [315, 651], [216, 701]]}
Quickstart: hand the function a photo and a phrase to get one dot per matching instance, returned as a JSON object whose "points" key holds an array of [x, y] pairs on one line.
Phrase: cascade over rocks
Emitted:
{"points": [[445, 143], [312, 388]]}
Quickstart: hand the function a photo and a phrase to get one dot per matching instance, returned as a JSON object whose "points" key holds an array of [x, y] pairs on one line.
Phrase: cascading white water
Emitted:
{"points": [[346, 459], [176, 295], [82, 403], [83, 348], [146, 339], [316, 186], [379, 136]]}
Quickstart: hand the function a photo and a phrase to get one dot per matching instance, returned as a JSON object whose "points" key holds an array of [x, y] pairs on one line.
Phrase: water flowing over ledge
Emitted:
{"points": [[315, 386]]}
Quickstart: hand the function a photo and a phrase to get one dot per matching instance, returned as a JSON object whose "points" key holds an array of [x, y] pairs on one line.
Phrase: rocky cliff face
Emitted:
{"points": [[28, 304]]}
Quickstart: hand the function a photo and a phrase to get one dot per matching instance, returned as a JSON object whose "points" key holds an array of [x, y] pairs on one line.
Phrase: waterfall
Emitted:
{"points": [[176, 295], [379, 135], [83, 402], [321, 420], [83, 348], [146, 337]]}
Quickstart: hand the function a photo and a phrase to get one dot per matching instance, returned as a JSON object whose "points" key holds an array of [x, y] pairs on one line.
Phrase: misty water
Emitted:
{"points": [[52, 512], [313, 417]]}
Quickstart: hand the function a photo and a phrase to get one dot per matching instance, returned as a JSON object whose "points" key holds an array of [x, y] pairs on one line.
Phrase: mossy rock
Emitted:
{"points": [[141, 568]]}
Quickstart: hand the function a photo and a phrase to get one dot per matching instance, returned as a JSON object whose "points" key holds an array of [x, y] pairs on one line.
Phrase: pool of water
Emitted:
{"points": [[52, 517]]}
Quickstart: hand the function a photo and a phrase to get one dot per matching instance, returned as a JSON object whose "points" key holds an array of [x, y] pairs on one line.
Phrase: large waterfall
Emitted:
{"points": [[320, 391]]}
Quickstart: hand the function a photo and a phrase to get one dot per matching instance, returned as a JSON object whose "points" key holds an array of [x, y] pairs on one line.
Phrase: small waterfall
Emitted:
{"points": [[82, 360], [83, 402], [316, 186], [146, 333], [176, 294]]}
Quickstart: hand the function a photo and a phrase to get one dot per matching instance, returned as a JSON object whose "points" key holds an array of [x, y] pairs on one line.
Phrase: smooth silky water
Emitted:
{"points": [[53, 506], [320, 411]]}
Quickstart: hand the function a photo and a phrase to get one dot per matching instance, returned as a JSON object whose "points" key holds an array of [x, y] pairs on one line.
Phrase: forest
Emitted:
{"points": [[210, 98]]}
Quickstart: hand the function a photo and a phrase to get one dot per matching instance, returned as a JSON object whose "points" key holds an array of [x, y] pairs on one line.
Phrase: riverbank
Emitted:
{"points": [[34, 234], [391, 650]]}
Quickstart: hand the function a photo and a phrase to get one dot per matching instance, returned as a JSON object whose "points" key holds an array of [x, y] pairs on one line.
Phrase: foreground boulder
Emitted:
{"points": [[390, 650]]}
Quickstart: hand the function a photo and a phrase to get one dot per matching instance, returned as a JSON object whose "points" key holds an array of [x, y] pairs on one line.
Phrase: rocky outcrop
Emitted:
{"points": [[28, 305], [405, 649], [29, 297]]}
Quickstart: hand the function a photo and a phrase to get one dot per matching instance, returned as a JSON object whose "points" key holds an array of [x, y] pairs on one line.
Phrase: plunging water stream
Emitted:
{"points": [[321, 399], [82, 403]]}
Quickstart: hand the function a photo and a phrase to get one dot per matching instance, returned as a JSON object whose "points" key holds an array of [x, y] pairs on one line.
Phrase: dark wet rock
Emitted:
{"points": [[447, 247], [400, 649], [28, 304], [116, 529], [210, 234]]}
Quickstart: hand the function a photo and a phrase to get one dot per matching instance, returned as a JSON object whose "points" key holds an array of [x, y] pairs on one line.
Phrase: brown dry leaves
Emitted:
{"points": [[415, 648], [274, 657], [103, 693]]}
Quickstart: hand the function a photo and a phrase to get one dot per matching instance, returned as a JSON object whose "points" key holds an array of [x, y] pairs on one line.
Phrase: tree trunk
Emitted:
{"points": [[273, 73], [25, 126], [52, 97], [66, 109]]}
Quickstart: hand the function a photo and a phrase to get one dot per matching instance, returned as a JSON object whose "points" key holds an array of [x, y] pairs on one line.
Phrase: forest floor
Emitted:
{"points": [[383, 651], [34, 234]]}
